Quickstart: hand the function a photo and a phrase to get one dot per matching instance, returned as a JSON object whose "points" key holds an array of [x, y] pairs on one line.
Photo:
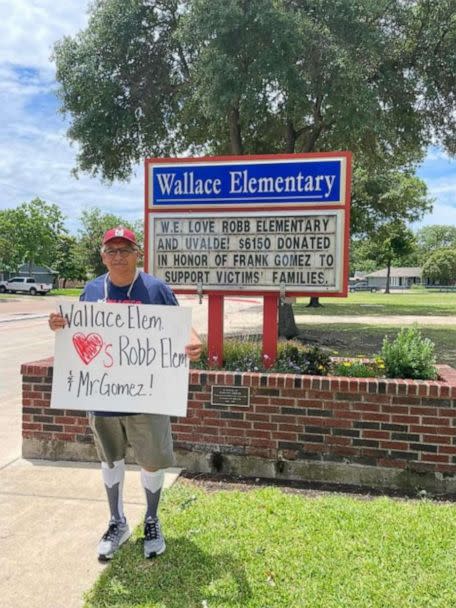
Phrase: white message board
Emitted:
{"points": [[300, 250], [126, 358]]}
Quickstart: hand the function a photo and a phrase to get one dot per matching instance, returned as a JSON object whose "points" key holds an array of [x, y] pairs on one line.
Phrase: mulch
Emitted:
{"points": [[217, 482]]}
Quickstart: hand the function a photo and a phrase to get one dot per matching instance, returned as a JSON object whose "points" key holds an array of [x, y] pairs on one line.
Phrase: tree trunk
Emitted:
{"points": [[287, 323], [235, 131], [388, 277], [314, 302], [291, 138]]}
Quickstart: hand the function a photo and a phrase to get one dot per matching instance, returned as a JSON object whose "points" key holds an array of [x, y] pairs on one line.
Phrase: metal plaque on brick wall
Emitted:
{"points": [[230, 395]]}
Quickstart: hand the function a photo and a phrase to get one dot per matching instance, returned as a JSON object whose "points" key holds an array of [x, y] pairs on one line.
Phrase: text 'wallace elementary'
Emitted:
{"points": [[249, 182]]}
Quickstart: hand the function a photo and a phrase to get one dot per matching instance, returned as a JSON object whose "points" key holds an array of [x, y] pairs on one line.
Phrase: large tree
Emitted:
{"points": [[440, 266], [151, 78], [68, 261], [170, 77], [11, 253], [431, 238], [392, 241], [384, 195], [29, 233]]}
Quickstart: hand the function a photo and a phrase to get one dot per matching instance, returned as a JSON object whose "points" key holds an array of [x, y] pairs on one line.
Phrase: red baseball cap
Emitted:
{"points": [[119, 233]]}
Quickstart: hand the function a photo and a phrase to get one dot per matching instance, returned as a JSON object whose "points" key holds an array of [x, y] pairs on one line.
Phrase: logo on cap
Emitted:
{"points": [[119, 232]]}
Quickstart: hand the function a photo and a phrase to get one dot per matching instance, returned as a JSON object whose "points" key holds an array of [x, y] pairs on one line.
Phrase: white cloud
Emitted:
{"points": [[29, 29], [36, 157], [443, 190], [435, 154], [442, 214]]}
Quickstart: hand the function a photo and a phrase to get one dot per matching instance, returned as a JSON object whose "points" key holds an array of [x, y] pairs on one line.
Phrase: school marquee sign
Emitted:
{"points": [[249, 224]]}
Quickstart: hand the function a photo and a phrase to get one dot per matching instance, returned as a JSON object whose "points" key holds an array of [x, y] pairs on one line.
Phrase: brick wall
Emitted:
{"points": [[403, 425]]}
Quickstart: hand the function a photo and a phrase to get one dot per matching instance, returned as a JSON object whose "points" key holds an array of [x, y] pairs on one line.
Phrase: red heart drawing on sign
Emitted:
{"points": [[88, 346]]}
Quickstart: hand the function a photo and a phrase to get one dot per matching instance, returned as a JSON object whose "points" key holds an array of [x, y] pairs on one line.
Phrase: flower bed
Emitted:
{"points": [[363, 431], [409, 355]]}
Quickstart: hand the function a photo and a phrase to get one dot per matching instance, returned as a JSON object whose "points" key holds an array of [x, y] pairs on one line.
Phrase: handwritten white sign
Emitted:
{"points": [[125, 358]]}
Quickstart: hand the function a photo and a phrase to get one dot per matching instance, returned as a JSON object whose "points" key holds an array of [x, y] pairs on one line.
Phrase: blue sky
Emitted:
{"points": [[36, 158]]}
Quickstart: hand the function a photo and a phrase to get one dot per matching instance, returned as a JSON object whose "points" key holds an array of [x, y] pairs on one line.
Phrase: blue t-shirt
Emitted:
{"points": [[146, 289]]}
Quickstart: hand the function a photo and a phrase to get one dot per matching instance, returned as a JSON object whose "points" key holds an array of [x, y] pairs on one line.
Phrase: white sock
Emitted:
{"points": [[113, 478], [152, 483]]}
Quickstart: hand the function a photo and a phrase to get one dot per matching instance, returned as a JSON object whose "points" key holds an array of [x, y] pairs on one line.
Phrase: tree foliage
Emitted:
{"points": [[11, 253], [386, 195], [69, 260], [440, 266], [431, 238], [360, 259], [94, 225], [168, 77], [29, 234], [392, 241]]}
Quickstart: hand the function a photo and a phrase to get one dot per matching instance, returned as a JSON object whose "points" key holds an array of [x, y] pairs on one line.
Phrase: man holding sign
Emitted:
{"points": [[148, 434]]}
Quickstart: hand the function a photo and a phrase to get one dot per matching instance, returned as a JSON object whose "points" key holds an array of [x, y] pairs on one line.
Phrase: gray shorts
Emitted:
{"points": [[148, 434]]}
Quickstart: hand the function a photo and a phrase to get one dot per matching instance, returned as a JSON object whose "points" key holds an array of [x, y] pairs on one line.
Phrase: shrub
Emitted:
{"points": [[409, 355], [239, 355], [293, 357], [359, 369]]}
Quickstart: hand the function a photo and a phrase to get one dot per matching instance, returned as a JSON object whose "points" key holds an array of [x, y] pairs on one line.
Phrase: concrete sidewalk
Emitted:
{"points": [[52, 515]]}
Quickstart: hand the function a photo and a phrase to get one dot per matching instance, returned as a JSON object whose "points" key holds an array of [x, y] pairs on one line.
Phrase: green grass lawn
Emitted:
{"points": [[412, 302], [66, 292], [265, 548], [53, 292]]}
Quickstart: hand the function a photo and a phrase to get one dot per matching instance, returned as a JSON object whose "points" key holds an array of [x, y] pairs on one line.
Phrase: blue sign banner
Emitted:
{"points": [[319, 181]]}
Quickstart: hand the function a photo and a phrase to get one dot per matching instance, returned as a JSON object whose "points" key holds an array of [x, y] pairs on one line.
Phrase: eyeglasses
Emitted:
{"points": [[124, 252]]}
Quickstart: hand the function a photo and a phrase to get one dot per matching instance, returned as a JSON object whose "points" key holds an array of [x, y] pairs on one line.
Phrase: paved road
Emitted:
{"points": [[21, 341]]}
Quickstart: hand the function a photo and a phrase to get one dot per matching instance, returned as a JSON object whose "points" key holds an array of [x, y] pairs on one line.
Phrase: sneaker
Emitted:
{"points": [[154, 543], [116, 534]]}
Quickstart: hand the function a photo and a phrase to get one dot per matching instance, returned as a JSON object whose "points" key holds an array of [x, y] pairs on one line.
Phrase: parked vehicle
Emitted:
{"points": [[25, 285], [362, 286]]}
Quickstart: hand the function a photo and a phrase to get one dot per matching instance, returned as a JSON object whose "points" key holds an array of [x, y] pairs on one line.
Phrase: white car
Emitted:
{"points": [[25, 285]]}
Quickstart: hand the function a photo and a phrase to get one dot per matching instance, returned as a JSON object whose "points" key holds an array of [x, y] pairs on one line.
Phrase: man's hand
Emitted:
{"points": [[193, 350], [56, 321]]}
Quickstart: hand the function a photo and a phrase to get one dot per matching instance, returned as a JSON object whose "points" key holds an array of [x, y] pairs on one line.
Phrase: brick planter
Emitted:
{"points": [[396, 434]]}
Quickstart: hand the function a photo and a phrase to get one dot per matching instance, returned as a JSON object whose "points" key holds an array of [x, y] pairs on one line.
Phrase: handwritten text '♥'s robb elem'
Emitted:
{"points": [[91, 317]]}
